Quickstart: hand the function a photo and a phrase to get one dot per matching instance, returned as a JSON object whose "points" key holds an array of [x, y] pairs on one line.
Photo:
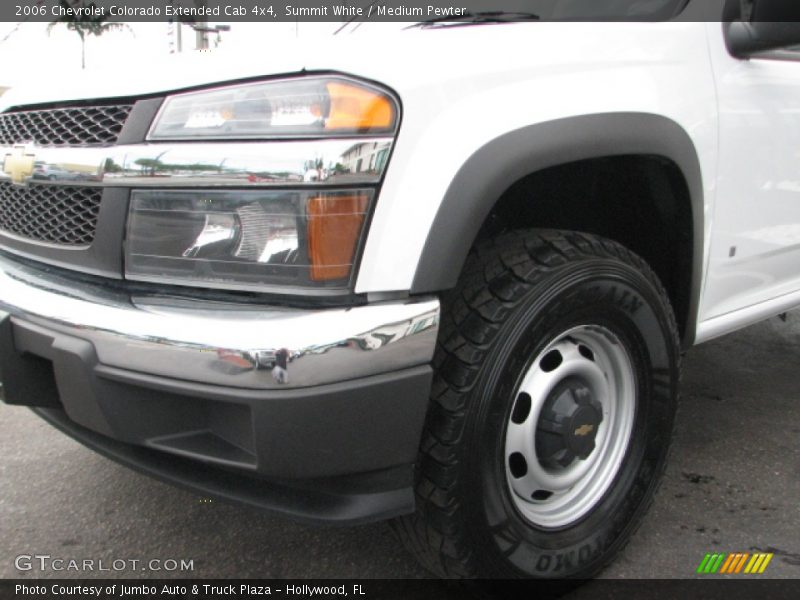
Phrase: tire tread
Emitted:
{"points": [[497, 275]]}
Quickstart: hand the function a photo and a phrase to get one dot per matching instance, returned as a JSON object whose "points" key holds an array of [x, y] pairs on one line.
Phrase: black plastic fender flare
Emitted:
{"points": [[493, 168]]}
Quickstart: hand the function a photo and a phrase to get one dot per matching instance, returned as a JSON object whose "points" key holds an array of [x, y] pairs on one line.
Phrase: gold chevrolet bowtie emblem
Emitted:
{"points": [[584, 430], [19, 164]]}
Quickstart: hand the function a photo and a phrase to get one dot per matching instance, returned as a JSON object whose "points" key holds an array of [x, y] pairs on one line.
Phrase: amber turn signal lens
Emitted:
{"points": [[358, 108], [334, 228]]}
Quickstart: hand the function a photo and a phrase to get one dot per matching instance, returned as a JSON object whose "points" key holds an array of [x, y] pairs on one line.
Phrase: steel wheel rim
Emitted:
{"points": [[594, 379]]}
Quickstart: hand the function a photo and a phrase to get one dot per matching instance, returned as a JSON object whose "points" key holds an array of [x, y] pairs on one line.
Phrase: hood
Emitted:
{"points": [[174, 72], [353, 51]]}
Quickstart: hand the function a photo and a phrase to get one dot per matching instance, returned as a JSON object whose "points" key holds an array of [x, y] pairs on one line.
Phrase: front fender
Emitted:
{"points": [[494, 167]]}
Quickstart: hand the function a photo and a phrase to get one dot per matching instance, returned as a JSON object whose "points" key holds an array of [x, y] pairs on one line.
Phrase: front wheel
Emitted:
{"points": [[553, 405]]}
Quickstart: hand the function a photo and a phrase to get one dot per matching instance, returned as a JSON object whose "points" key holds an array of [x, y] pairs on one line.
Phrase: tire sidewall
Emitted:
{"points": [[623, 299]]}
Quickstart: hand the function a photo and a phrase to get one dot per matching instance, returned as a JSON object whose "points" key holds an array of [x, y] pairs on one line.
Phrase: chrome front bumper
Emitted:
{"points": [[195, 392], [192, 391], [221, 343]]}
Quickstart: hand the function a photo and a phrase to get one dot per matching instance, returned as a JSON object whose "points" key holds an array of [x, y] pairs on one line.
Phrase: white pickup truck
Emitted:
{"points": [[442, 275]]}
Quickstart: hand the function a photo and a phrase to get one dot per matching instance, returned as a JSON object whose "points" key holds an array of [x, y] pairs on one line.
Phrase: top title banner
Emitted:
{"points": [[191, 11], [238, 10]]}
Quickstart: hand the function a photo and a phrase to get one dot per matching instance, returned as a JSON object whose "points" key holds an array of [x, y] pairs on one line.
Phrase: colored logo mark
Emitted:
{"points": [[735, 563]]}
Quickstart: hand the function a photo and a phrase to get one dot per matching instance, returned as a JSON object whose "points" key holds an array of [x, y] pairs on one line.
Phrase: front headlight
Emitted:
{"points": [[245, 239], [296, 217], [302, 107]]}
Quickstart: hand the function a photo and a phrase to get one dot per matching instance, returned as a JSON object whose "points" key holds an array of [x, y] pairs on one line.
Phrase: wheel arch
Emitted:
{"points": [[490, 172]]}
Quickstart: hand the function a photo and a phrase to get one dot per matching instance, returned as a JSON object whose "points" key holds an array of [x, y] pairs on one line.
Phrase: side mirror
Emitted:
{"points": [[774, 24]]}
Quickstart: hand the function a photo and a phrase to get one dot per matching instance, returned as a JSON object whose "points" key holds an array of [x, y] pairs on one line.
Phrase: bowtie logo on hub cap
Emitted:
{"points": [[568, 424]]}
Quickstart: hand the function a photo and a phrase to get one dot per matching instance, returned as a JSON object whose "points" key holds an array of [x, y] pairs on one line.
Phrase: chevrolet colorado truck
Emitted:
{"points": [[442, 275]]}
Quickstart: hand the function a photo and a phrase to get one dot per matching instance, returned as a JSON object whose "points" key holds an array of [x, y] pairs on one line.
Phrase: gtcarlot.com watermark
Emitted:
{"points": [[57, 564]]}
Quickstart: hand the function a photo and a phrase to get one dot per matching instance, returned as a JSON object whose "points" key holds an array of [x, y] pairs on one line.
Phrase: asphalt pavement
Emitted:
{"points": [[732, 485]]}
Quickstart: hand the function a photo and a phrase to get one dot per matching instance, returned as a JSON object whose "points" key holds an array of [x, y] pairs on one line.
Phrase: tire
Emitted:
{"points": [[583, 327]]}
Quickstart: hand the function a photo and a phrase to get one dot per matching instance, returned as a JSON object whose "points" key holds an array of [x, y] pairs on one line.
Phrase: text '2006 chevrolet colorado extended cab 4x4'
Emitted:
{"points": [[344, 283]]}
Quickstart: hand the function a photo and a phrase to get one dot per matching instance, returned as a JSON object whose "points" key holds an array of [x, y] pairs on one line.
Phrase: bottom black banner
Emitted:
{"points": [[371, 589]]}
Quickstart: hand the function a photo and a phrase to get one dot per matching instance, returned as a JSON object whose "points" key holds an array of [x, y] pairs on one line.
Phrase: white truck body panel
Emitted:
{"points": [[457, 97], [755, 245]]}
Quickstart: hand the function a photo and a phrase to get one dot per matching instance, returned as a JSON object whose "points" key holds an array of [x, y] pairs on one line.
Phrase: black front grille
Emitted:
{"points": [[78, 126], [54, 214]]}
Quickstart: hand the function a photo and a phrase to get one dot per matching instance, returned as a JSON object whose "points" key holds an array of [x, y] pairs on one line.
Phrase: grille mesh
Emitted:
{"points": [[59, 215], [79, 126]]}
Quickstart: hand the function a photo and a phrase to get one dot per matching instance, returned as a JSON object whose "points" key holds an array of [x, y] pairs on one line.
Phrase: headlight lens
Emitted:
{"points": [[245, 239], [311, 106]]}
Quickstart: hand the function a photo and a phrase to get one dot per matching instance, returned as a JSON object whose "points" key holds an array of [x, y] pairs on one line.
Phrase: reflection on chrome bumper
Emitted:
{"points": [[203, 164], [230, 344]]}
